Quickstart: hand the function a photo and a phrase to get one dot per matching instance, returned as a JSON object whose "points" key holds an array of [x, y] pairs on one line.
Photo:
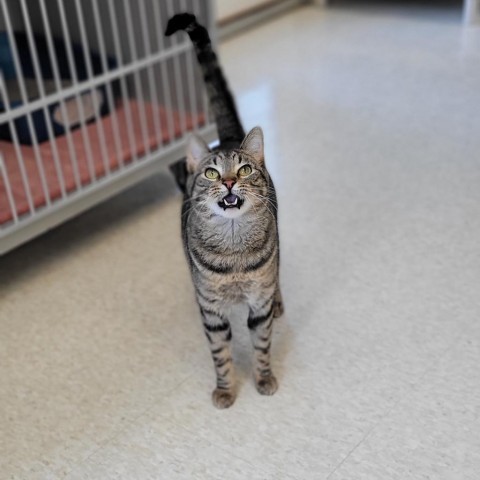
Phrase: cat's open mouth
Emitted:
{"points": [[230, 201]]}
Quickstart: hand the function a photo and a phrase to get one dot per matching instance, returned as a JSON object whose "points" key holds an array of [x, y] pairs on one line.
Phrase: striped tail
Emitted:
{"points": [[230, 130]]}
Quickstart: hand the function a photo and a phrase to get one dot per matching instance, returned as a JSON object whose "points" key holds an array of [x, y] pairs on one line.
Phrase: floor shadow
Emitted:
{"points": [[64, 239]]}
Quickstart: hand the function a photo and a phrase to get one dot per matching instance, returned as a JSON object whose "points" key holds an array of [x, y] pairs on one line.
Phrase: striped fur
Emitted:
{"points": [[233, 251], [221, 100]]}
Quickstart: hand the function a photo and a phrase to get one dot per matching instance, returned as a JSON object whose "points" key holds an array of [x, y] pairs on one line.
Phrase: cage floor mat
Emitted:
{"points": [[84, 157]]}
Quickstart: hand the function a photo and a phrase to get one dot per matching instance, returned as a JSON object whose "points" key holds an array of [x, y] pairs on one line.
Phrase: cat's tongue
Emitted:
{"points": [[230, 199]]}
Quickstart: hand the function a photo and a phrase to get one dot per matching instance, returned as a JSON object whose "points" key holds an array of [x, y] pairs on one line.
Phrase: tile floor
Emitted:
{"points": [[372, 124]]}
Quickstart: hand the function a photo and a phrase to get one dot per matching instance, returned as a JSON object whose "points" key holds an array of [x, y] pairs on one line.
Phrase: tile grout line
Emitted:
{"points": [[367, 434], [408, 392]]}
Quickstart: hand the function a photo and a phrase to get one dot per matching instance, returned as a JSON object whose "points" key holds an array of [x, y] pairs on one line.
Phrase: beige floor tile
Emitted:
{"points": [[432, 433], [156, 448]]}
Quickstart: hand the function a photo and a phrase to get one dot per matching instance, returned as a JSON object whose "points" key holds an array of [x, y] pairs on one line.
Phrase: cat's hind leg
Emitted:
{"points": [[260, 323], [278, 308]]}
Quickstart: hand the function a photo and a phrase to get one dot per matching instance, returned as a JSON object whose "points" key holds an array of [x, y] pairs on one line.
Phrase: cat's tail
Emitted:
{"points": [[230, 130]]}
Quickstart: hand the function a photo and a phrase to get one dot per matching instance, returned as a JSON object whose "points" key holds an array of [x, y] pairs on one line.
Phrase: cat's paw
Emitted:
{"points": [[267, 385], [223, 398]]}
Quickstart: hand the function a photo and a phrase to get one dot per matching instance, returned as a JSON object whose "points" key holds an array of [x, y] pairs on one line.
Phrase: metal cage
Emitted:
{"points": [[93, 98]]}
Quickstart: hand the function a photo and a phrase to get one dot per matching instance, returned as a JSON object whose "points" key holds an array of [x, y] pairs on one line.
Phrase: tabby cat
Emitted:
{"points": [[229, 227]]}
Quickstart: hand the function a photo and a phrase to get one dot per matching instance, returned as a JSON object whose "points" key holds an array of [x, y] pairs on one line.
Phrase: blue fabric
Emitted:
{"points": [[26, 63]]}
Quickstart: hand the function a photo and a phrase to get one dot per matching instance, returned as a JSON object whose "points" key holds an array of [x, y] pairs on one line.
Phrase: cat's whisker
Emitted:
{"points": [[265, 201], [195, 206], [195, 197], [255, 211], [262, 194], [266, 207], [265, 189]]}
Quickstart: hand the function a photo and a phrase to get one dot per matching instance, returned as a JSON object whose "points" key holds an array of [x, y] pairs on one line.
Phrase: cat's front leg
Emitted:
{"points": [[219, 335], [260, 323]]}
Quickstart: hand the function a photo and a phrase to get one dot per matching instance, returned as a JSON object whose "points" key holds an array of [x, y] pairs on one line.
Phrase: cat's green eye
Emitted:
{"points": [[245, 171], [212, 174]]}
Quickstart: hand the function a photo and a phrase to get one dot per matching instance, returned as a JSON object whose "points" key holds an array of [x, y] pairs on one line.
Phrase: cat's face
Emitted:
{"points": [[229, 183]]}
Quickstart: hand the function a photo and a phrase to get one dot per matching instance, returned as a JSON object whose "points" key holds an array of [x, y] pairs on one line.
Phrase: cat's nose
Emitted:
{"points": [[229, 183]]}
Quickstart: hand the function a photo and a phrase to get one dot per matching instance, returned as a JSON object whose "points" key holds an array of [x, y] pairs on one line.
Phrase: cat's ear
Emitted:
{"points": [[197, 150], [253, 144]]}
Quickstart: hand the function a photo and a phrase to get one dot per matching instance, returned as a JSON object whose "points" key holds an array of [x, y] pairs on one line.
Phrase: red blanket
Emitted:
{"points": [[130, 148]]}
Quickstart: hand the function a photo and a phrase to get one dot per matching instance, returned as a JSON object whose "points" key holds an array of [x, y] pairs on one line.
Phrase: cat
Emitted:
{"points": [[229, 227]]}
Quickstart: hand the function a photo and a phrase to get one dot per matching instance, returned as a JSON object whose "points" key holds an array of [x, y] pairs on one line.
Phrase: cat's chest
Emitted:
{"points": [[230, 238], [235, 290]]}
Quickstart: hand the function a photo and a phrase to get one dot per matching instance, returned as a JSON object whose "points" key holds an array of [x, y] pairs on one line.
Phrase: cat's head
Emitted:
{"points": [[231, 182]]}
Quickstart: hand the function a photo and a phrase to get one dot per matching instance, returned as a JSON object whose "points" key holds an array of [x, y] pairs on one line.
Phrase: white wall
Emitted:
{"points": [[227, 8]]}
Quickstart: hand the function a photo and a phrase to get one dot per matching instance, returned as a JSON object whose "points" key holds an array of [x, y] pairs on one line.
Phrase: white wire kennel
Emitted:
{"points": [[93, 98]]}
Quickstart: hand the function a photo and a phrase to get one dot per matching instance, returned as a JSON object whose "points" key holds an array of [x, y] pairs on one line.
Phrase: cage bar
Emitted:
{"points": [[151, 80], [190, 59], [120, 72], [58, 86], [73, 73], [88, 62], [23, 93], [123, 86], [21, 164], [8, 190], [176, 68], [41, 92], [136, 77], [109, 88], [167, 91]]}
